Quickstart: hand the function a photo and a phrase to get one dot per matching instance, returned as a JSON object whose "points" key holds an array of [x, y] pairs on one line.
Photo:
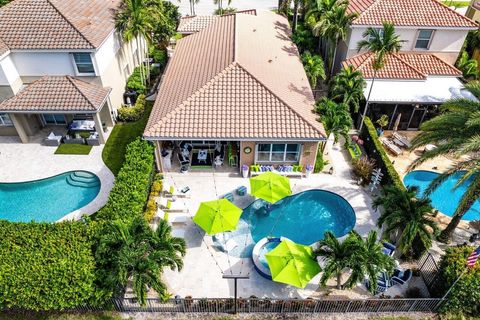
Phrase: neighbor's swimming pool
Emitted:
{"points": [[302, 218], [446, 198], [47, 200]]}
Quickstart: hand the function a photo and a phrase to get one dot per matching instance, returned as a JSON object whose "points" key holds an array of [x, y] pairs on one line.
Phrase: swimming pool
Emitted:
{"points": [[49, 199], [445, 199], [303, 218]]}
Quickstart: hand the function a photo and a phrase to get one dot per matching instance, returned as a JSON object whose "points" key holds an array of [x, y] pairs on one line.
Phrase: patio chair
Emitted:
{"points": [[178, 233], [168, 205], [170, 191], [228, 196], [52, 140], [179, 219], [401, 277], [402, 139], [388, 249], [391, 147]]}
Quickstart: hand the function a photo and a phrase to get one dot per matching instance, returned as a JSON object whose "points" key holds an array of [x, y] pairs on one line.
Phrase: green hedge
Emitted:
{"points": [[465, 295], [132, 185], [134, 82], [45, 266], [373, 147], [129, 114]]}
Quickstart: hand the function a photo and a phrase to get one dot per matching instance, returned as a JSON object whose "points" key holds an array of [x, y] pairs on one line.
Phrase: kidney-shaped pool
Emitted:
{"points": [[47, 200]]}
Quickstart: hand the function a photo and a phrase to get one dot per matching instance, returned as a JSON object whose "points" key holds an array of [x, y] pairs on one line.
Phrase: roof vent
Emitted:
{"points": [[270, 61]]}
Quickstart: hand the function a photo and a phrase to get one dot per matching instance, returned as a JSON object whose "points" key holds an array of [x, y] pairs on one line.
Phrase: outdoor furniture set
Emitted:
{"points": [[396, 143], [283, 170]]}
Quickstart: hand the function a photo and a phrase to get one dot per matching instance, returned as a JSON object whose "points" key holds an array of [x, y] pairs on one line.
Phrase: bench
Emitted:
{"points": [[297, 171]]}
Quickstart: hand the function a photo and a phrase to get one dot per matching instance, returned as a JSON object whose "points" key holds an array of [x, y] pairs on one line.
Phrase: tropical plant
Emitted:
{"points": [[469, 67], [313, 65], [381, 43], [133, 251], [363, 168], [383, 121], [347, 87], [333, 25], [335, 118], [165, 26], [456, 131], [304, 38], [406, 219], [219, 3]]}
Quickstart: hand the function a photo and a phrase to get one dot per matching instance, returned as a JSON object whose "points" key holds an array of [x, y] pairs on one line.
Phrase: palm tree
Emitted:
{"points": [[132, 250], [406, 218], [219, 3], [333, 25], [314, 69], [335, 118], [469, 67], [455, 132], [348, 87], [370, 261], [380, 42]]}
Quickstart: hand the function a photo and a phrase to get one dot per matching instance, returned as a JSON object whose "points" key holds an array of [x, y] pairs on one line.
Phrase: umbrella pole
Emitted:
{"points": [[235, 278]]}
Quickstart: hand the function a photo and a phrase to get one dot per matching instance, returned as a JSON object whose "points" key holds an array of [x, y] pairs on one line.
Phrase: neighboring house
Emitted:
{"points": [[426, 26], [192, 24], [473, 11], [61, 59], [239, 85], [410, 86]]}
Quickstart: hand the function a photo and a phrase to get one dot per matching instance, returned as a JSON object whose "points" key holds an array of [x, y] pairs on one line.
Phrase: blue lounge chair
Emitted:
{"points": [[402, 277], [228, 196], [388, 248]]}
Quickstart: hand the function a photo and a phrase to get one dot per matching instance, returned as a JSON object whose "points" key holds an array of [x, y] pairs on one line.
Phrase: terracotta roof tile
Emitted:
{"points": [[241, 77], [56, 24], [192, 24], [59, 93], [3, 47], [408, 66], [420, 13]]}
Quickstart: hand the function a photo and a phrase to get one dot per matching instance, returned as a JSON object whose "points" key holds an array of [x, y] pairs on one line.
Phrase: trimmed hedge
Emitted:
{"points": [[373, 147], [132, 185], [134, 82], [45, 266], [129, 114], [155, 190], [465, 295]]}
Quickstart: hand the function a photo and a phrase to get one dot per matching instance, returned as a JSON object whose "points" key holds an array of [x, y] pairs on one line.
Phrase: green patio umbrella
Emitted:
{"points": [[270, 186], [217, 216], [292, 263]]}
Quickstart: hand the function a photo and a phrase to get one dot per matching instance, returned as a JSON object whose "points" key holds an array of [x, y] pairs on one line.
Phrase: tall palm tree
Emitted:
{"points": [[380, 42], [348, 87], [370, 261], [314, 67], [456, 131], [133, 251], [219, 3], [335, 118], [333, 25], [406, 218]]}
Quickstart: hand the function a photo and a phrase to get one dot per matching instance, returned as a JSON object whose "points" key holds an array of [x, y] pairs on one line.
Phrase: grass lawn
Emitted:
{"points": [[122, 134], [80, 149], [456, 4]]}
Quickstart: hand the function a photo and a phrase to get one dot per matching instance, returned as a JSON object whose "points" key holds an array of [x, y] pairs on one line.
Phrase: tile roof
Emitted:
{"points": [[56, 24], [419, 13], [57, 93], [407, 66], [3, 47], [192, 24], [241, 77]]}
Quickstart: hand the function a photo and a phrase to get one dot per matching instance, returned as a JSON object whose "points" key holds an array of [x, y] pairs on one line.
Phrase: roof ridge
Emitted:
{"points": [[69, 22], [451, 66], [72, 81], [369, 55], [455, 12], [373, 4], [280, 99], [396, 55]]}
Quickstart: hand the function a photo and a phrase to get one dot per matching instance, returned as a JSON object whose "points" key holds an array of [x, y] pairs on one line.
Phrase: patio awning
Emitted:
{"points": [[433, 90]]}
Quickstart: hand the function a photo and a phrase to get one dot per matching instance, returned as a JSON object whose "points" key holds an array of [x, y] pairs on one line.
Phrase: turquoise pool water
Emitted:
{"points": [[446, 198], [269, 246], [49, 199], [302, 218]]}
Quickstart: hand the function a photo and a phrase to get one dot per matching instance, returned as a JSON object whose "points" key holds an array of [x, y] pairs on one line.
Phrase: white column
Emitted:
{"points": [[98, 126], [19, 127]]}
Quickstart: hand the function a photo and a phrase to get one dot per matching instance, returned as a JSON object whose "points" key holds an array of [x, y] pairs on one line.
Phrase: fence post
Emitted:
{"points": [[348, 306], [413, 304], [379, 307]]}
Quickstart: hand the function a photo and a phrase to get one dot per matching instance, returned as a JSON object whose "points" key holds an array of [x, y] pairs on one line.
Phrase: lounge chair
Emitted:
{"points": [[170, 191], [402, 140], [401, 277], [178, 233], [388, 249], [228, 196], [168, 205], [228, 246], [53, 140], [178, 219], [391, 147]]}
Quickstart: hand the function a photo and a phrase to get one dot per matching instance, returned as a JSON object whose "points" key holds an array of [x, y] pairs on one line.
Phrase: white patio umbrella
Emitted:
{"points": [[397, 122]]}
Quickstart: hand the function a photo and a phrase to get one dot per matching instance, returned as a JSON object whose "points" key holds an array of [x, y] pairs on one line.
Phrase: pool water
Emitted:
{"points": [[269, 246], [445, 198], [302, 218], [49, 199]]}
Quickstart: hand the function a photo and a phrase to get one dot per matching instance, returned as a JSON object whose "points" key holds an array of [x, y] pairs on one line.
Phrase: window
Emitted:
{"points": [[423, 39], [54, 119], [5, 120], [84, 63], [278, 152]]}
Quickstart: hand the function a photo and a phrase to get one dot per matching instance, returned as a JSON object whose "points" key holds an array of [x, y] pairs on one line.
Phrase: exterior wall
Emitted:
{"points": [[445, 43], [8, 131], [309, 153], [247, 159], [10, 82], [30, 122], [37, 64], [473, 13]]}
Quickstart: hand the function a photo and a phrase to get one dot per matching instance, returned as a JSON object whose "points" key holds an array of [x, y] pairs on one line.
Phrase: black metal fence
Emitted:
{"points": [[429, 272]]}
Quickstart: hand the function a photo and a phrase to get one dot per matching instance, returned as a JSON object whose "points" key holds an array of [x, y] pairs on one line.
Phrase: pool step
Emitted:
{"points": [[83, 179]]}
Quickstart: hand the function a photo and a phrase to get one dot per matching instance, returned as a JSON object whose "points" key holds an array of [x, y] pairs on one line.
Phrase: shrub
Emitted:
{"points": [[128, 114], [363, 168], [155, 190], [375, 150], [319, 162], [159, 55], [129, 194], [465, 295], [134, 82], [46, 266]]}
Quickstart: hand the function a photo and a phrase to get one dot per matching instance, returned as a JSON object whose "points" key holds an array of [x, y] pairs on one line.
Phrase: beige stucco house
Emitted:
{"points": [[54, 53], [235, 90]]}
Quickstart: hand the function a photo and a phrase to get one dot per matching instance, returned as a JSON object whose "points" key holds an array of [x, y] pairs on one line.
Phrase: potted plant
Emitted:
{"points": [[245, 171], [308, 170], [382, 123]]}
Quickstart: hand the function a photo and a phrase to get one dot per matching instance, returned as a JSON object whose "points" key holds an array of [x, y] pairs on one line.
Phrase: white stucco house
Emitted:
{"points": [[61, 60], [421, 76]]}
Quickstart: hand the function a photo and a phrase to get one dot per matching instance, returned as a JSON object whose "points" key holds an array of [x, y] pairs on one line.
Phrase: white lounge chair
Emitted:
{"points": [[178, 233], [391, 147], [170, 191], [168, 205], [402, 139], [178, 219]]}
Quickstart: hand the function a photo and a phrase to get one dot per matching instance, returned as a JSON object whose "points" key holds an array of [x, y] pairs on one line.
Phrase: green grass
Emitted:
{"points": [[456, 4], [79, 149], [122, 134], [61, 316]]}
